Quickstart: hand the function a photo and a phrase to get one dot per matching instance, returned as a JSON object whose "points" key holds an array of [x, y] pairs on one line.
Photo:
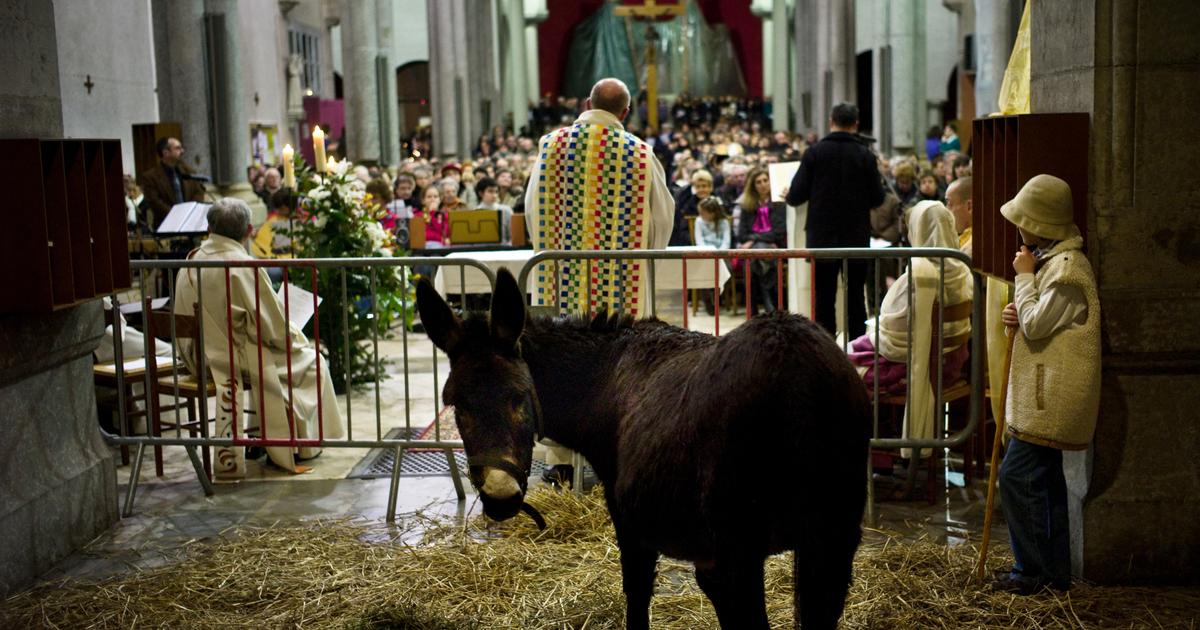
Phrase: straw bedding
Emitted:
{"points": [[482, 575]]}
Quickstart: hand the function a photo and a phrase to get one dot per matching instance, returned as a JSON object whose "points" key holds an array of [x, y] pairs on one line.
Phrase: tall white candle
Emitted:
{"points": [[289, 168], [319, 149]]}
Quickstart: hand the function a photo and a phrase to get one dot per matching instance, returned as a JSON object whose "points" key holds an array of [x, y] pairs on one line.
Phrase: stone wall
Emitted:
{"points": [[111, 46], [57, 478], [1134, 66]]}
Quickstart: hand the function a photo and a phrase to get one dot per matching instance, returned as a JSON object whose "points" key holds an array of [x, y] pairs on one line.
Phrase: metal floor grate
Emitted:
{"points": [[379, 463]]}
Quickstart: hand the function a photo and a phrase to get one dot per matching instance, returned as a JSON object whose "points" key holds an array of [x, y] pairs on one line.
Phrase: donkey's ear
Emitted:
{"points": [[441, 324], [508, 310]]}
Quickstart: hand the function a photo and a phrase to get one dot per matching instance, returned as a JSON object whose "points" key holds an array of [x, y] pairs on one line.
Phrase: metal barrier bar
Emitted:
{"points": [[237, 437], [815, 255], [650, 257]]}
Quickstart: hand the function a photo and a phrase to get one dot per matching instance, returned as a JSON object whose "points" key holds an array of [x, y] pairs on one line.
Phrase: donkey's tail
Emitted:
{"points": [[821, 570]]}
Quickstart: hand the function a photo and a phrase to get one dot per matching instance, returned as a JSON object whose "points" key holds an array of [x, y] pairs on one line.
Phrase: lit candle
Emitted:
{"points": [[289, 168], [319, 149]]}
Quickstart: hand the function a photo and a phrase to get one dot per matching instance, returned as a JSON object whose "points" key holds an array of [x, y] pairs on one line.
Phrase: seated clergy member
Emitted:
{"points": [[958, 200], [228, 227]]}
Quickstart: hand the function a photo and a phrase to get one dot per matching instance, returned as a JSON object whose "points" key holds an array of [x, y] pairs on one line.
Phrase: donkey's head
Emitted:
{"points": [[495, 404]]}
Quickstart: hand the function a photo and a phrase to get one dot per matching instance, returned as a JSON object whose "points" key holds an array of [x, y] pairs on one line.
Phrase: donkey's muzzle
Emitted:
{"points": [[502, 509]]}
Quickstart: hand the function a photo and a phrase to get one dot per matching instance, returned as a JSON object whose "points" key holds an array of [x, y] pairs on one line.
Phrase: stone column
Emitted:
{"points": [[360, 37], [535, 13], [389, 100], [57, 477], [1133, 67], [231, 155], [994, 36], [907, 41], [179, 62], [444, 51], [763, 10], [485, 105], [781, 72], [808, 116], [517, 85]]}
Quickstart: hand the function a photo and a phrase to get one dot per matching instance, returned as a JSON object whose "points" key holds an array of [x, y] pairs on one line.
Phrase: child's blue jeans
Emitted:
{"points": [[1033, 495]]}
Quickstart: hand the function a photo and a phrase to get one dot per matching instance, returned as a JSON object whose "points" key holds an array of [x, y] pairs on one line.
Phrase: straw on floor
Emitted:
{"points": [[482, 575]]}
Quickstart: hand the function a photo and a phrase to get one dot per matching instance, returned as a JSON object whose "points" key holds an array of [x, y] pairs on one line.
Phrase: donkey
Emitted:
{"points": [[718, 451]]}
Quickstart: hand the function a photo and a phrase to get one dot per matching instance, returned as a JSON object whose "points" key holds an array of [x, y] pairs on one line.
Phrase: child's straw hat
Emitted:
{"points": [[1044, 208]]}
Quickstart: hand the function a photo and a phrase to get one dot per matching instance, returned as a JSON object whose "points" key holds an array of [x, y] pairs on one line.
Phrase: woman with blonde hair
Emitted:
{"points": [[763, 225]]}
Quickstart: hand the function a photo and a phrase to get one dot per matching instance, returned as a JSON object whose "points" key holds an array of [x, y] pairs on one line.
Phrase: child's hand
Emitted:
{"points": [[1024, 261], [1009, 316]]}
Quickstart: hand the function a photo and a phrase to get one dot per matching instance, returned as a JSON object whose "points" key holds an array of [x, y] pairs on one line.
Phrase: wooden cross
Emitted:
{"points": [[88, 84], [651, 10]]}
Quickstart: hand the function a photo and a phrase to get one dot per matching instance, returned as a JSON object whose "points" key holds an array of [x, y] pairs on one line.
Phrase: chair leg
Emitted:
{"points": [[155, 426], [205, 455], [930, 481]]}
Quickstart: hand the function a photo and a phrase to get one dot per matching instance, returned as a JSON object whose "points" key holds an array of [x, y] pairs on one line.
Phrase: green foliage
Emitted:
{"points": [[337, 219]]}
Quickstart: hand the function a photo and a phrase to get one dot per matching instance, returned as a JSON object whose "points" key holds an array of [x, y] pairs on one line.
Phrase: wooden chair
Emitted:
{"points": [[732, 290], [133, 373], [183, 385], [957, 390]]}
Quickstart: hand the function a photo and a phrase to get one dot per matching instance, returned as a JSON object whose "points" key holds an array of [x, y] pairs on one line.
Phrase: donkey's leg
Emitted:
{"points": [[821, 570], [637, 576], [735, 588]]}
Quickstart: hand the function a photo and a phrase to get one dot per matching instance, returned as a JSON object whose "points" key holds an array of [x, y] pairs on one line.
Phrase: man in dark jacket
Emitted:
{"points": [[168, 183], [839, 179]]}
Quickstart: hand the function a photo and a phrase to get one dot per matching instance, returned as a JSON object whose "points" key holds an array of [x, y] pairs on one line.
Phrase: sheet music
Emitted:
{"points": [[189, 217], [781, 174], [136, 307], [299, 304]]}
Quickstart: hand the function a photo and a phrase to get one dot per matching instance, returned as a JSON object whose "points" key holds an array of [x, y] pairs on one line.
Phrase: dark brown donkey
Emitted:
{"points": [[719, 451]]}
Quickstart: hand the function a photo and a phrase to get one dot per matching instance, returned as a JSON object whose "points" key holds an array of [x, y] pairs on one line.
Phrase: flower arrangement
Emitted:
{"points": [[338, 219]]}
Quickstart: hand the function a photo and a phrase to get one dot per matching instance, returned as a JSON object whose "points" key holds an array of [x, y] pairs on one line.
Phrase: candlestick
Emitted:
{"points": [[319, 149], [289, 167]]}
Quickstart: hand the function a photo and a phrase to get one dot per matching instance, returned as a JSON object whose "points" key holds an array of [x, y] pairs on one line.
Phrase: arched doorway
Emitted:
{"points": [[412, 93]]}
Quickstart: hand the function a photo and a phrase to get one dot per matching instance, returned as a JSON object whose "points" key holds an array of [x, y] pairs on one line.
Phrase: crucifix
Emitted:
{"points": [[88, 84], [651, 10]]}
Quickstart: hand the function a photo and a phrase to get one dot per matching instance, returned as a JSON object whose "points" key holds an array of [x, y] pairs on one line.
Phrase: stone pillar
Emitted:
{"points": [[58, 485], [841, 52], [763, 10], [179, 62], [535, 13], [1133, 67], [781, 72], [443, 77], [485, 105], [360, 37], [908, 81], [231, 154], [517, 85], [994, 36], [389, 99], [768, 61], [807, 76]]}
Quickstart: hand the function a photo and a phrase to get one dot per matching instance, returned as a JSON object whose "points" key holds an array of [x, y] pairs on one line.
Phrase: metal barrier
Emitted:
{"points": [[124, 437], [844, 255], [372, 266]]}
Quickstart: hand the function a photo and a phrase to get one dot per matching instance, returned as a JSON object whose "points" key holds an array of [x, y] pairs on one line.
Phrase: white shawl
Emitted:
{"points": [[930, 224]]}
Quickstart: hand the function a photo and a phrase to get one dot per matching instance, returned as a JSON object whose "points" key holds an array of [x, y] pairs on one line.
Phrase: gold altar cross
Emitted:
{"points": [[650, 9]]}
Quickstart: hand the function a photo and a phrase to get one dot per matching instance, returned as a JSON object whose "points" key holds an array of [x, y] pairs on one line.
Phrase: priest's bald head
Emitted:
{"points": [[610, 95]]}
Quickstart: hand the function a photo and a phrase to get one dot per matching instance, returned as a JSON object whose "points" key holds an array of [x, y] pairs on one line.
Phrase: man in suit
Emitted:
{"points": [[839, 178], [168, 183]]}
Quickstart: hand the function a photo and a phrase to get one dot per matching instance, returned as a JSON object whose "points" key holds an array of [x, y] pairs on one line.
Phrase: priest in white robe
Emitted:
{"points": [[229, 226]]}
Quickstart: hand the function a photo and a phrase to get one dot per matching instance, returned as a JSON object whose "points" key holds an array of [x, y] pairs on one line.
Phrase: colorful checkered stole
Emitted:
{"points": [[593, 191]]}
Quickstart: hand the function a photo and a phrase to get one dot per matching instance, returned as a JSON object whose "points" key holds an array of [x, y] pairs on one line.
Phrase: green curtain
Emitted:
{"points": [[604, 45], [599, 48]]}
